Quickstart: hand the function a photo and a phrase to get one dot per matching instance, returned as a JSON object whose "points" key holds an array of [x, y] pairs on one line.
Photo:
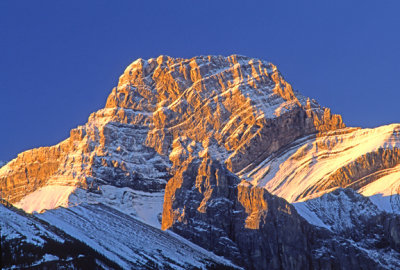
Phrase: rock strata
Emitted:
{"points": [[240, 107]]}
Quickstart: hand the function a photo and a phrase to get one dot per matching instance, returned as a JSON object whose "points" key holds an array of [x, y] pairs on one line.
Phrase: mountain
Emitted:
{"points": [[222, 152], [240, 106]]}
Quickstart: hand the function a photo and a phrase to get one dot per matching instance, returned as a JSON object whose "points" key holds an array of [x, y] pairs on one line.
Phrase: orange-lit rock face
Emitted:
{"points": [[30, 171], [237, 102], [104, 151], [239, 109], [253, 201]]}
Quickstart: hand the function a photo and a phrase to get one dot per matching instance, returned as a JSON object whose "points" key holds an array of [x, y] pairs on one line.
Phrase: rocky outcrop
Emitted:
{"points": [[363, 170], [391, 229], [242, 105], [97, 153], [31, 170]]}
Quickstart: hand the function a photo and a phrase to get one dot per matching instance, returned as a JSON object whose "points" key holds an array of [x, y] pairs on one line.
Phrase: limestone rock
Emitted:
{"points": [[240, 108]]}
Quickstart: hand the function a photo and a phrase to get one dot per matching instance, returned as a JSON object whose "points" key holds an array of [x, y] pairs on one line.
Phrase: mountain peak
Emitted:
{"points": [[236, 103]]}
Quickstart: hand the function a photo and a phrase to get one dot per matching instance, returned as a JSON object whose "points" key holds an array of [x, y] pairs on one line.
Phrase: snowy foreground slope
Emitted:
{"points": [[29, 242], [102, 236], [221, 151], [125, 240]]}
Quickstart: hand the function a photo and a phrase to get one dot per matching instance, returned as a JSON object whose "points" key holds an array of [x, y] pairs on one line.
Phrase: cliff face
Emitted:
{"points": [[207, 204], [240, 107]]}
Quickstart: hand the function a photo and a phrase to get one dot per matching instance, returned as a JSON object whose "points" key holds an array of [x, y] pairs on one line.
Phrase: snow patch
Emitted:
{"points": [[45, 198], [309, 215], [145, 206], [337, 211], [389, 204], [126, 240]]}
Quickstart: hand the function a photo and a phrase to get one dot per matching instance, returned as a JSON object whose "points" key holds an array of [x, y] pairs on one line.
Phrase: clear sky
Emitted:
{"points": [[60, 59]]}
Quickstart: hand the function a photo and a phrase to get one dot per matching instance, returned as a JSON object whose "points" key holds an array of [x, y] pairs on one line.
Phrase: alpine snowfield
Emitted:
{"points": [[311, 166]]}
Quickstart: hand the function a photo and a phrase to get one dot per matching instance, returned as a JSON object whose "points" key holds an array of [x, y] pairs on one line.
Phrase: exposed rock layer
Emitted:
{"points": [[366, 160], [240, 107]]}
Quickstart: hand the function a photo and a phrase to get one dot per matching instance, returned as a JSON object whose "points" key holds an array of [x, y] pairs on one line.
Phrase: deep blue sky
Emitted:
{"points": [[60, 59]]}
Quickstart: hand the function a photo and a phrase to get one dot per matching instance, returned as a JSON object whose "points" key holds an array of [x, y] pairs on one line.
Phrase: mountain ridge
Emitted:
{"points": [[206, 137]]}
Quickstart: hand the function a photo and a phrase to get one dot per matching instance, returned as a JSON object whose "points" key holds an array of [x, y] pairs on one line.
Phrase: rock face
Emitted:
{"points": [[241, 107], [206, 203]]}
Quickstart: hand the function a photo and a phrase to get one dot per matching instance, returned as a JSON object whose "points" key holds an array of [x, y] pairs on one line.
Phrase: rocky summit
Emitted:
{"points": [[217, 155]]}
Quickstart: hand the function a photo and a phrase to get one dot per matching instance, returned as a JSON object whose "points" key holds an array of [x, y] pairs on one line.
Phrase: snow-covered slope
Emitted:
{"points": [[145, 206], [111, 240], [29, 243], [339, 211], [127, 241], [366, 160], [17, 225], [387, 183], [47, 197]]}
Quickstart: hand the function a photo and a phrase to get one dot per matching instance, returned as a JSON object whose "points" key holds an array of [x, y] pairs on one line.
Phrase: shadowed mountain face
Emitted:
{"points": [[208, 205], [220, 137]]}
